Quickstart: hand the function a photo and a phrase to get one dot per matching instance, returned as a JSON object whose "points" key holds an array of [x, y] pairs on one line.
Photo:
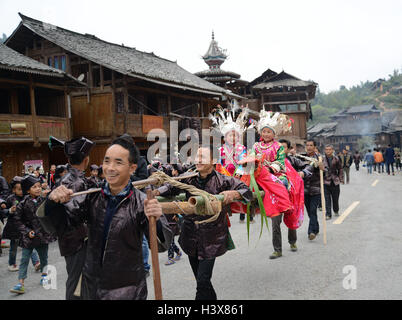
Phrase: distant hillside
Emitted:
{"points": [[326, 104]]}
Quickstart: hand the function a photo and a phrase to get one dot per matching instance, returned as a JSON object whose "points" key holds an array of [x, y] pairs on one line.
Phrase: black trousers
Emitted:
{"points": [[312, 203], [388, 164], [277, 235], [202, 270], [331, 196], [74, 265]]}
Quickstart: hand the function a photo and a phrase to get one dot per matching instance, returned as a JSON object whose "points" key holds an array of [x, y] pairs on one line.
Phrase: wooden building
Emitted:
{"points": [[127, 90], [351, 124], [34, 104], [282, 92]]}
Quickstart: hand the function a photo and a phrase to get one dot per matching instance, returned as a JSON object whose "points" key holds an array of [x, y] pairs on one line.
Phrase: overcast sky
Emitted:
{"points": [[330, 42]]}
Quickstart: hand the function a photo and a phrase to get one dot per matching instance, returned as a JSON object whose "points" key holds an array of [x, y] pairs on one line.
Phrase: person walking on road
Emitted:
{"points": [[378, 159], [356, 160], [346, 161], [389, 159], [332, 178], [312, 191], [369, 161], [398, 160]]}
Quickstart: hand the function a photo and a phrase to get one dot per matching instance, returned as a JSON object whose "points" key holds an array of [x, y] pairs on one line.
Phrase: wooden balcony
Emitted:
{"points": [[138, 125], [26, 128]]}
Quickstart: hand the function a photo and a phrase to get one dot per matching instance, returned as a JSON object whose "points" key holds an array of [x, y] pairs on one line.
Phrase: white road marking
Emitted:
{"points": [[374, 183], [346, 212]]}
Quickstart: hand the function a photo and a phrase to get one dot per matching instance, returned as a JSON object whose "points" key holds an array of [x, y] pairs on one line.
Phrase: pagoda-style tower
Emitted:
{"points": [[214, 58]]}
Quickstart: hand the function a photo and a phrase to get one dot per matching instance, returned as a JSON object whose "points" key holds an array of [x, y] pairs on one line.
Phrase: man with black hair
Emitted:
{"points": [[389, 159], [305, 171], [332, 178], [346, 161], [117, 218], [203, 242], [71, 233], [312, 191]]}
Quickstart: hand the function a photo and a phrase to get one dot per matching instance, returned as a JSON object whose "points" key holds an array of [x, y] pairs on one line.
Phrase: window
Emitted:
{"points": [[63, 63], [56, 62]]}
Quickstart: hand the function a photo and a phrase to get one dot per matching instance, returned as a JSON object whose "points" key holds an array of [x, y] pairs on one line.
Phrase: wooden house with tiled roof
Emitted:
{"points": [[34, 104], [127, 90]]}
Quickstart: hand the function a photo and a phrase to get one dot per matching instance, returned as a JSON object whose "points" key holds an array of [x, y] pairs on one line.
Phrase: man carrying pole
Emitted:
{"points": [[117, 219], [71, 234], [203, 242], [312, 190]]}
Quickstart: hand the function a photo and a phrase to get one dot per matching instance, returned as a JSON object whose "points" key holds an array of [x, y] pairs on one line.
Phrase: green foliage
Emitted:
{"points": [[326, 104]]}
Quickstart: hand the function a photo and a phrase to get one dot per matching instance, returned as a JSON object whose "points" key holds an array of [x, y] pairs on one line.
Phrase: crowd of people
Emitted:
{"points": [[104, 235], [377, 159]]}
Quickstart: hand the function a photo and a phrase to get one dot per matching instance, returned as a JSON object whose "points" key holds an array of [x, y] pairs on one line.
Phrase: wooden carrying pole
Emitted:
{"points": [[136, 184], [154, 253], [324, 220]]}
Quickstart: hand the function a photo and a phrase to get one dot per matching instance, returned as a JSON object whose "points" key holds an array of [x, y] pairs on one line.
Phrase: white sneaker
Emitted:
{"points": [[13, 268]]}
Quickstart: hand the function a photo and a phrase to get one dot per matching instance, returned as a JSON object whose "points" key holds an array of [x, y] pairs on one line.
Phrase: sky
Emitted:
{"points": [[333, 43]]}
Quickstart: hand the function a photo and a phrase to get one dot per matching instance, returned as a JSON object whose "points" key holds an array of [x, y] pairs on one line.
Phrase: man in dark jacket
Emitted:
{"points": [[312, 192], [305, 171], [357, 159], [332, 178], [71, 233], [346, 161], [117, 218], [141, 170], [389, 159], [203, 242]]}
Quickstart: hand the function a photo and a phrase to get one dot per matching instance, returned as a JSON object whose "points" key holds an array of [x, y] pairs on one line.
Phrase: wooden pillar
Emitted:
{"points": [[125, 99], [202, 107], [102, 84], [114, 105], [169, 102], [67, 113], [33, 113], [90, 75]]}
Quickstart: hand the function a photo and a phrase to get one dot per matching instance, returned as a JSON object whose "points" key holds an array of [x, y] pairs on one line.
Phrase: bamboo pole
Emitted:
{"points": [[154, 253], [324, 223], [135, 184]]}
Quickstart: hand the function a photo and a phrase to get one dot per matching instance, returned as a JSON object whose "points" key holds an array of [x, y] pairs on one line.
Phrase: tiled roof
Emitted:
{"points": [[13, 60], [283, 79], [126, 60], [362, 108]]}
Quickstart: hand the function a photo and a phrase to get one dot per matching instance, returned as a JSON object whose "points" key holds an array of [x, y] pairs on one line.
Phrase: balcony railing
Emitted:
{"points": [[26, 128]]}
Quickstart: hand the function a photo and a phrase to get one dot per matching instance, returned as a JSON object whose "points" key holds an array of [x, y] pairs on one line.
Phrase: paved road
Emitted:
{"points": [[366, 246]]}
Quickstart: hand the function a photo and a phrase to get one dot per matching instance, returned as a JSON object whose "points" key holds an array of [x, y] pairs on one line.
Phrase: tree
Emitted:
{"points": [[3, 38]]}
